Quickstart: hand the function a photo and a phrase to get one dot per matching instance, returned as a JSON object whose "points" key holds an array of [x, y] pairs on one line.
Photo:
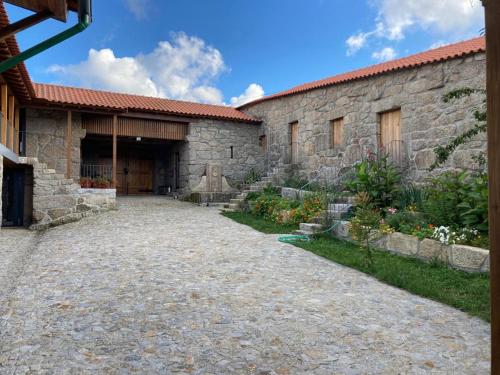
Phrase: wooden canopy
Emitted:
{"points": [[58, 8], [136, 127]]}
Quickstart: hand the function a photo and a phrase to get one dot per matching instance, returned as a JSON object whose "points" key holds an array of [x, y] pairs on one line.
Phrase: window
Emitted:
{"points": [[390, 136], [294, 142], [337, 132], [232, 152], [390, 129], [263, 143]]}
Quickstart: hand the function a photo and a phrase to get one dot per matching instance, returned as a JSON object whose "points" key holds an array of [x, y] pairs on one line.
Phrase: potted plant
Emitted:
{"points": [[102, 183], [85, 182]]}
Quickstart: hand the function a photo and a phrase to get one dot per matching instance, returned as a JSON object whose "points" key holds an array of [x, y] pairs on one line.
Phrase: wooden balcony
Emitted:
{"points": [[9, 123]]}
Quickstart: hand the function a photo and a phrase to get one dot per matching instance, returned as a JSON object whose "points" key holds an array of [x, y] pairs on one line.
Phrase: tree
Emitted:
{"points": [[443, 153]]}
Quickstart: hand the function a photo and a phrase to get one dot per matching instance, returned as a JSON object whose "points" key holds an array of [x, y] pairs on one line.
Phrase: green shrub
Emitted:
{"points": [[252, 176], [271, 206], [378, 177], [364, 225], [458, 199], [405, 221], [411, 196]]}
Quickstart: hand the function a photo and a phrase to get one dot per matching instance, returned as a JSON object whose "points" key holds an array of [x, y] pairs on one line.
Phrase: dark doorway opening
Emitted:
{"points": [[144, 165], [17, 195]]}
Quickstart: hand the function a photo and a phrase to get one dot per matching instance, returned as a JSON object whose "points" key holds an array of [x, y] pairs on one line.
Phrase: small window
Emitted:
{"points": [[232, 152], [337, 131], [263, 143], [294, 142]]}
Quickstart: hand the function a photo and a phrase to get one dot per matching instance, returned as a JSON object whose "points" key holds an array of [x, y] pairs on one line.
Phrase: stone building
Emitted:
{"points": [[151, 146], [320, 128]]}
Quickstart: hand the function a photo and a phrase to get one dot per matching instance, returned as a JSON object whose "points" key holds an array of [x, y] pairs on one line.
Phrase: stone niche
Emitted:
{"points": [[213, 186]]}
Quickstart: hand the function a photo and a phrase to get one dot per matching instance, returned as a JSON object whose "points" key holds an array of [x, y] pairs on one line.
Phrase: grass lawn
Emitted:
{"points": [[260, 224], [465, 291]]}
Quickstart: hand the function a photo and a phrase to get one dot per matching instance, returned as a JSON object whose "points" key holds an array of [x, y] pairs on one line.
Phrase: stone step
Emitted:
{"points": [[339, 207], [233, 206], [241, 196], [237, 201], [311, 227]]}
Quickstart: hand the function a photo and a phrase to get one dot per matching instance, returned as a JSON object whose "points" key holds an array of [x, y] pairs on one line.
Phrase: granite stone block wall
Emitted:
{"points": [[426, 121], [233, 145], [46, 139]]}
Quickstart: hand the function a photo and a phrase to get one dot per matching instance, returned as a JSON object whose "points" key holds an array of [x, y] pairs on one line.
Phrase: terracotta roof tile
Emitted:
{"points": [[435, 55], [78, 97], [17, 78]]}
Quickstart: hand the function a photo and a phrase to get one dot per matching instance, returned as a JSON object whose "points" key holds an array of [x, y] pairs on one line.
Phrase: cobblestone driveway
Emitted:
{"points": [[162, 287]]}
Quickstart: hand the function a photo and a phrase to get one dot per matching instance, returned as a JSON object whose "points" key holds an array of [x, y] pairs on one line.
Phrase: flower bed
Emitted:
{"points": [[467, 258], [271, 205]]}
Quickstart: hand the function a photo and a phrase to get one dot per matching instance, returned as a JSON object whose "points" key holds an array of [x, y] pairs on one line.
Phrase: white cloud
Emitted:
{"points": [[185, 68], [356, 42], [138, 8], [437, 44], [385, 54], [253, 92], [104, 70], [456, 19], [444, 16]]}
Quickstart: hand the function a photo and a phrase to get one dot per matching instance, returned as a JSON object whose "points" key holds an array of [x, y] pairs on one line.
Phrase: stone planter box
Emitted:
{"points": [[467, 258], [292, 193]]}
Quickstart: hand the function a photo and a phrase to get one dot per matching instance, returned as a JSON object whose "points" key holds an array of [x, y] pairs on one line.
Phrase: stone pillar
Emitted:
{"points": [[214, 177]]}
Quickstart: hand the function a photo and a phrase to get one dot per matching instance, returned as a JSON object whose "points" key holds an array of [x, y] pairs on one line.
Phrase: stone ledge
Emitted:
{"points": [[463, 257]]}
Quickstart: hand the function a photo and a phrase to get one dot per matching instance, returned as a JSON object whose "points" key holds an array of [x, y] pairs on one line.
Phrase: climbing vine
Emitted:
{"points": [[443, 152]]}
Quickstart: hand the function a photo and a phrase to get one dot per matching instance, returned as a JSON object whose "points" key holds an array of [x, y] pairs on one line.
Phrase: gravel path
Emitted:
{"points": [[161, 287]]}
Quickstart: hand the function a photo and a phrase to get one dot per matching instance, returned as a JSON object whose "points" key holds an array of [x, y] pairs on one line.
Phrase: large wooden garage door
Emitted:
{"points": [[134, 176]]}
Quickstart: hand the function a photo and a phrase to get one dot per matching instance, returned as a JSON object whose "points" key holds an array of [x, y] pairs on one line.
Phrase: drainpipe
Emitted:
{"points": [[84, 20]]}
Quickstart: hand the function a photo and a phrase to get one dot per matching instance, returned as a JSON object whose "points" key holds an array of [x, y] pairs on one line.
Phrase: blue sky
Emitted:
{"points": [[231, 51]]}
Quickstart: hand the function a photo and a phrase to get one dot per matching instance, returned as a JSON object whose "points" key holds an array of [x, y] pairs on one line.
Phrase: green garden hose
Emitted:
{"points": [[291, 238]]}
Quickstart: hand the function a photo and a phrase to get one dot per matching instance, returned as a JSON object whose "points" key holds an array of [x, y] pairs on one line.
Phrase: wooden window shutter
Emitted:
{"points": [[390, 127], [294, 142], [337, 132]]}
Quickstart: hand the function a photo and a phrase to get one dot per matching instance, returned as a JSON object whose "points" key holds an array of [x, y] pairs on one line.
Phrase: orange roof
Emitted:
{"points": [[431, 56], [17, 78], [78, 97]]}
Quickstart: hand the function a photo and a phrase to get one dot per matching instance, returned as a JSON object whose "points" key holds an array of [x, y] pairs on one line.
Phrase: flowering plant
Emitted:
{"points": [[392, 210]]}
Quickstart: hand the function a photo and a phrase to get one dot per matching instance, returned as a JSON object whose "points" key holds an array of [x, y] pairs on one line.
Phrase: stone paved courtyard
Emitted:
{"points": [[162, 287]]}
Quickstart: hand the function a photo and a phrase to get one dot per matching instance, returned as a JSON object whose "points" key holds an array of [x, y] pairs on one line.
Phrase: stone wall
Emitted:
{"points": [[46, 139], [57, 200], [466, 258], [210, 141], [426, 121]]}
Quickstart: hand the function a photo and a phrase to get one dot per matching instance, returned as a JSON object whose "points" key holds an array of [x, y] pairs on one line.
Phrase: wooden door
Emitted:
{"points": [[121, 176], [390, 128], [140, 176], [294, 142], [134, 176]]}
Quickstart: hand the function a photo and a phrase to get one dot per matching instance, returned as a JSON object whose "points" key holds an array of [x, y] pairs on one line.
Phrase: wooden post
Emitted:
{"points": [[11, 122], [16, 132], [4, 94], [492, 11], [115, 129], [69, 145]]}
